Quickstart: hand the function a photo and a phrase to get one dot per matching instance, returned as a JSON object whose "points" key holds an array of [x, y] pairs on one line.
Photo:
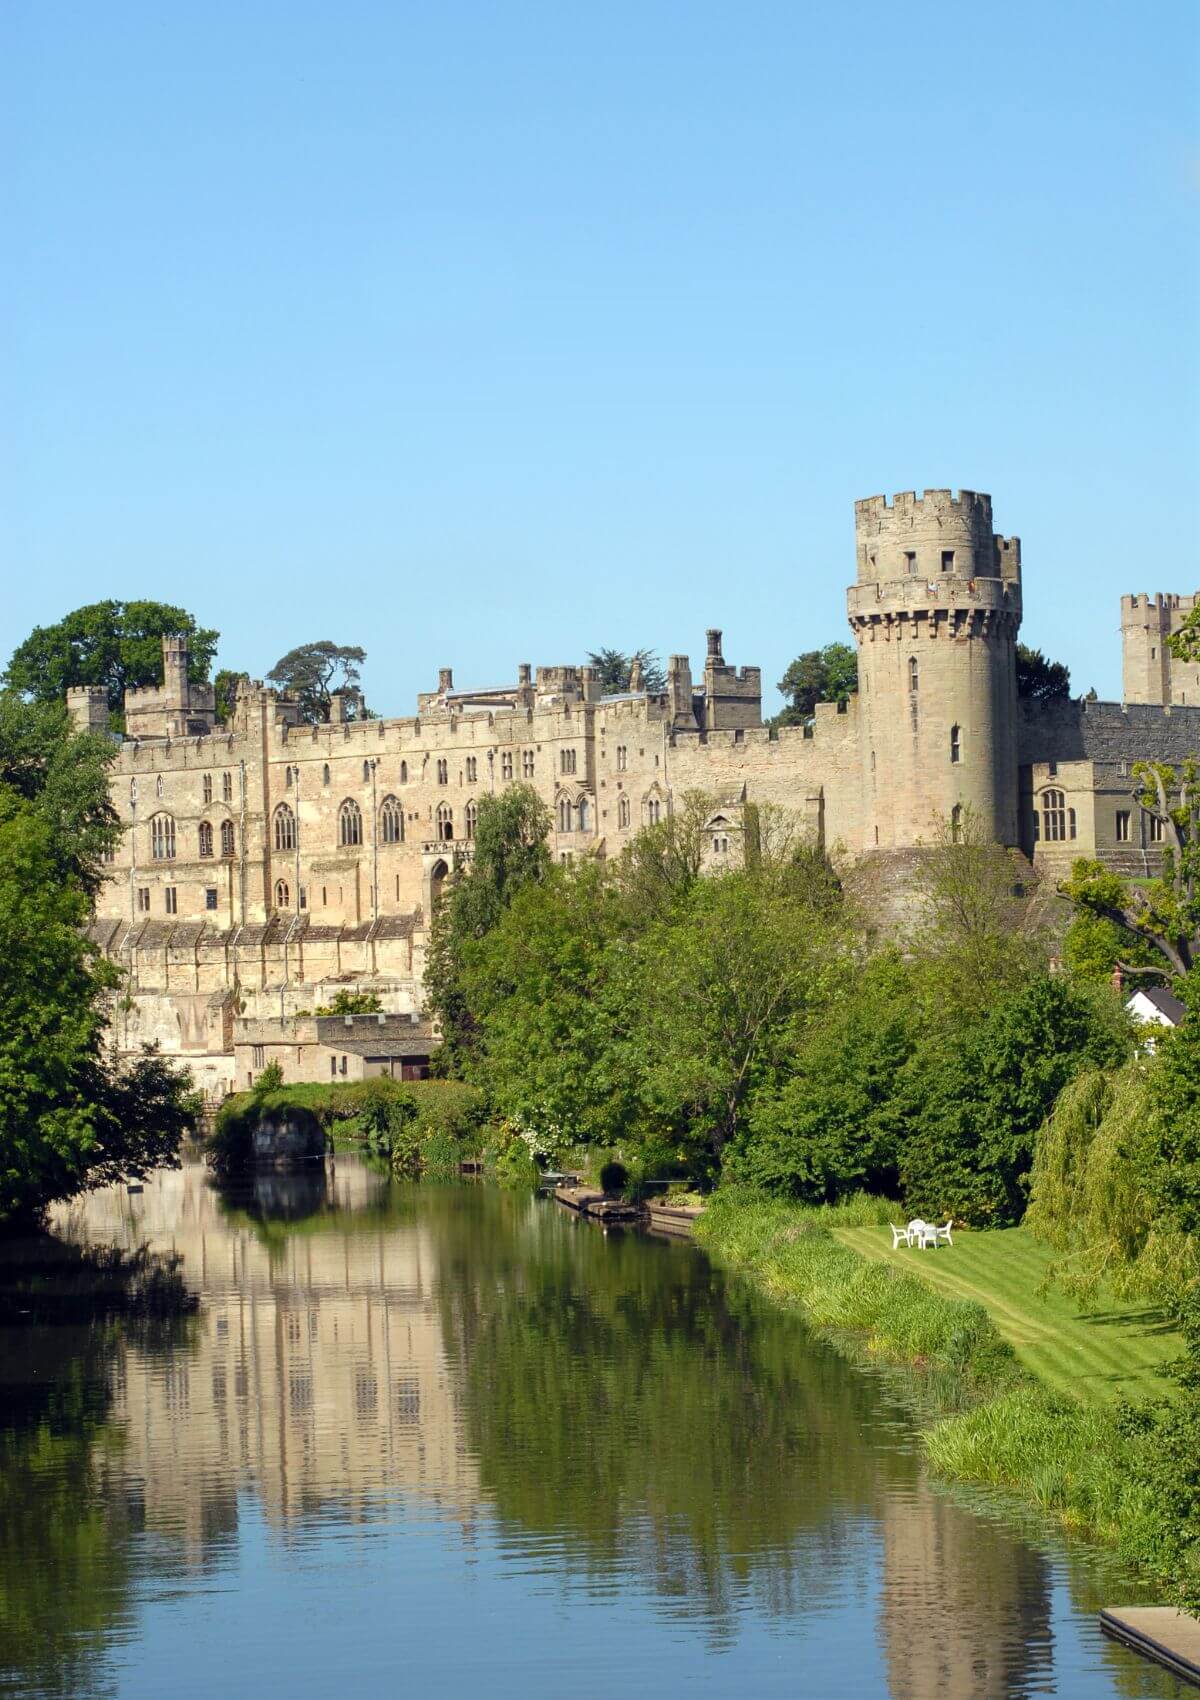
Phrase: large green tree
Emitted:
{"points": [[819, 675], [70, 1117], [615, 669], [1039, 679], [114, 644], [312, 672]]}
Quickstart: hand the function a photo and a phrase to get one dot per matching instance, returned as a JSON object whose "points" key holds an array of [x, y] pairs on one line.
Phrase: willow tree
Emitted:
{"points": [[1164, 912]]}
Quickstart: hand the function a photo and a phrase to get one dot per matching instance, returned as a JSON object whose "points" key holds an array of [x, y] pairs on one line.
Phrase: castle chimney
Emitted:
{"points": [[524, 674], [636, 681], [714, 645], [445, 679], [175, 669], [337, 708], [1118, 980]]}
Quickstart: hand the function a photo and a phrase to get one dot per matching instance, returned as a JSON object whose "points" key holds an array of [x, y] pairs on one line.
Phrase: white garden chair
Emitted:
{"points": [[924, 1233], [944, 1233], [900, 1235]]}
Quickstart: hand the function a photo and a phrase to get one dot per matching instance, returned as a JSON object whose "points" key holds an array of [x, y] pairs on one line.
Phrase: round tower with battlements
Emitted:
{"points": [[935, 613]]}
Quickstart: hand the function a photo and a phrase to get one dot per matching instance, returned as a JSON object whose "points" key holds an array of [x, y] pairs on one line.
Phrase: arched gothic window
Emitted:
{"points": [[133, 790], [564, 814], [283, 896], [956, 822], [206, 789], [443, 772], [445, 821], [349, 823], [206, 838], [285, 828], [1054, 816], [623, 812], [227, 788], [391, 821], [585, 815], [162, 838], [472, 818], [227, 838], [158, 786], [653, 810]]}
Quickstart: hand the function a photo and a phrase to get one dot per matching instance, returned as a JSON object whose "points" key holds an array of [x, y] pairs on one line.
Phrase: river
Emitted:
{"points": [[450, 1441]]}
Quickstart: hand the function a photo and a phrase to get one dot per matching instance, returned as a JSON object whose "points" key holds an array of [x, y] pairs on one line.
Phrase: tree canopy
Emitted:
{"points": [[69, 1116], [615, 669], [114, 644], [1038, 679], [312, 672], [819, 675]]}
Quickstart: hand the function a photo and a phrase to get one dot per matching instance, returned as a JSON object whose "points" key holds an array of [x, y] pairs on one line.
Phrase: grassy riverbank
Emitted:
{"points": [[1078, 1456]]}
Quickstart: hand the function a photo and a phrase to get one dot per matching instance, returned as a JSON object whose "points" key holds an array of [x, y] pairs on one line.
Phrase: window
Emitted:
{"points": [[404, 773], [956, 822], [325, 774], [285, 828], [947, 560], [343, 1065], [287, 778], [472, 770], [303, 898], [206, 838], [391, 821], [527, 764], [585, 815], [472, 818], [914, 673], [623, 812], [955, 744], [1052, 768], [622, 758], [445, 822], [1158, 830], [349, 823], [108, 854], [1070, 823], [1122, 826], [227, 788], [283, 896], [564, 814], [366, 773], [653, 809], [143, 899], [206, 789], [333, 1066], [1054, 817], [227, 838], [720, 844], [171, 895], [258, 1056], [158, 786], [568, 761], [910, 560], [210, 897], [506, 765], [162, 839]]}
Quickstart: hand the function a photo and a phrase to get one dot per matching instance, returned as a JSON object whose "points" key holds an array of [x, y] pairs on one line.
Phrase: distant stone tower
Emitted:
{"points": [[1150, 673], [935, 614]]}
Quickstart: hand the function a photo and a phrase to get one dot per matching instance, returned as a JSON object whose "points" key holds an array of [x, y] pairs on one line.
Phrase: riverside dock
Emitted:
{"points": [[590, 1201], [1161, 1633], [665, 1218]]}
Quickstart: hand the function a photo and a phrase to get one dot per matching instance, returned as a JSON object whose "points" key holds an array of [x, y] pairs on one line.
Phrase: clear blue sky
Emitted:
{"points": [[481, 333]]}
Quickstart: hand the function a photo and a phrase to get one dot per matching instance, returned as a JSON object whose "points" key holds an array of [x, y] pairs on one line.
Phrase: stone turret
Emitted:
{"points": [[1150, 673], [88, 707], [935, 615], [732, 695], [175, 709]]}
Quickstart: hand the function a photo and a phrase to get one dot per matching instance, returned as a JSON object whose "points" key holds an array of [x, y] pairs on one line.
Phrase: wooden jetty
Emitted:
{"points": [[667, 1218], [1161, 1633], [590, 1201]]}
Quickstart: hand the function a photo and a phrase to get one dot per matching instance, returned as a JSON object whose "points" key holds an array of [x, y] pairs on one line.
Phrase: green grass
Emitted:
{"points": [[1097, 1355]]}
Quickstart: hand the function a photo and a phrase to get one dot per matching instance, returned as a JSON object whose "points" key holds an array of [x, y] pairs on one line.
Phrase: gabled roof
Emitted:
{"points": [[1166, 1003]]}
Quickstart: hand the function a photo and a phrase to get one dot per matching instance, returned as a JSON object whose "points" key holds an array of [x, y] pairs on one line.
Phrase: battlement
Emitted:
{"points": [[906, 506], [88, 707], [1168, 602], [929, 535]]}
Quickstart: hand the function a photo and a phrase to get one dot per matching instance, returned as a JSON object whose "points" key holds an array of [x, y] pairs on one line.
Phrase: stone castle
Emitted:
{"points": [[266, 862]]}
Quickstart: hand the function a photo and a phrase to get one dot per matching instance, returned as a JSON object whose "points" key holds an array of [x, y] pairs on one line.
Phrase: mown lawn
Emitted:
{"points": [[1111, 1349]]}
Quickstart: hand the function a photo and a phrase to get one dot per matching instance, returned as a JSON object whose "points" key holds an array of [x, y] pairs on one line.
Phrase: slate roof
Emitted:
{"points": [[1166, 1003]]}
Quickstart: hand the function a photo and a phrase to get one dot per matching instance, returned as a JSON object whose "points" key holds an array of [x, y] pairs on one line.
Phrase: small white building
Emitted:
{"points": [[1154, 1006]]}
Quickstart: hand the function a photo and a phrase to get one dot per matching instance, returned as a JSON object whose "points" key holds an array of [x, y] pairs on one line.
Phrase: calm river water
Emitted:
{"points": [[450, 1441]]}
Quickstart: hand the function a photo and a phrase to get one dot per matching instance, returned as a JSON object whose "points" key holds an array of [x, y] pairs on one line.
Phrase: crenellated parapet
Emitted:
{"points": [[932, 535]]}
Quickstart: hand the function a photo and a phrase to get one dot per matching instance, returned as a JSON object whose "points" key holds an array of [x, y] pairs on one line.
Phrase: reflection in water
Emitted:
{"points": [[450, 1408]]}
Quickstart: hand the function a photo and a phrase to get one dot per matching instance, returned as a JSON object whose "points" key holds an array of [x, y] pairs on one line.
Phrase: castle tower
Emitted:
{"points": [[1149, 672], [175, 672], [935, 614]]}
